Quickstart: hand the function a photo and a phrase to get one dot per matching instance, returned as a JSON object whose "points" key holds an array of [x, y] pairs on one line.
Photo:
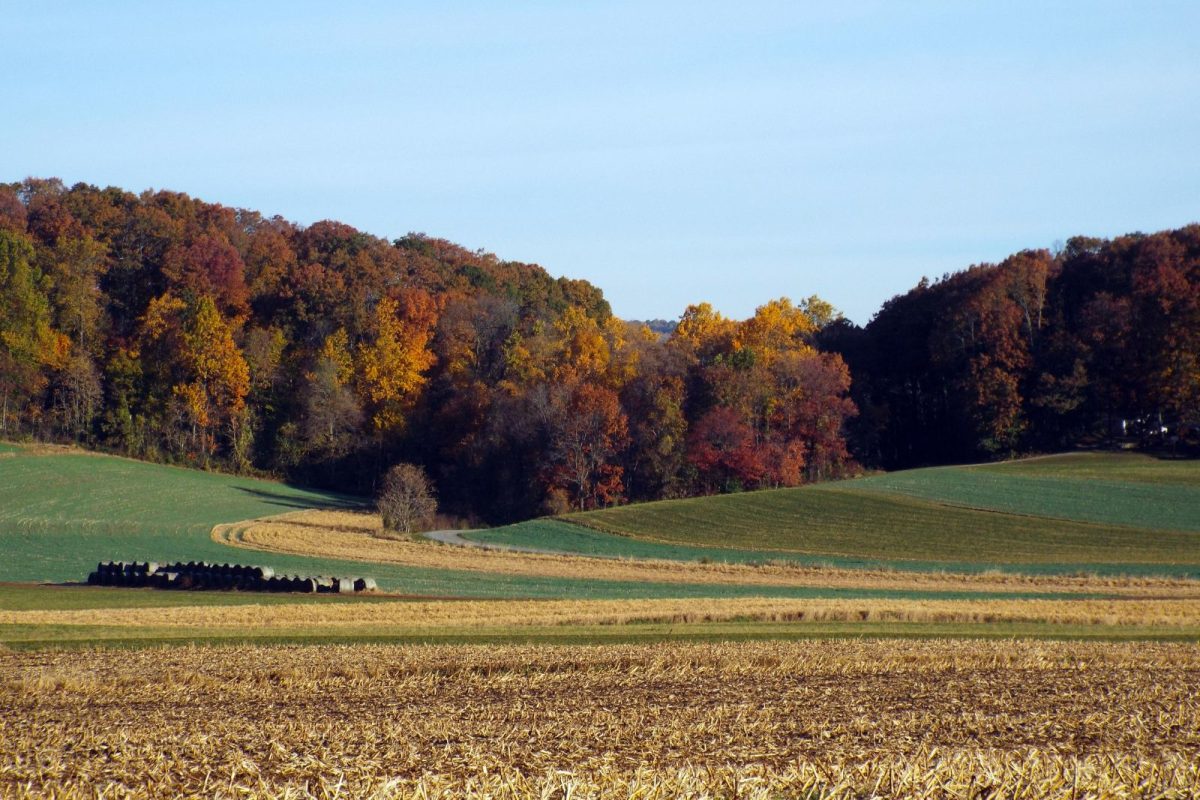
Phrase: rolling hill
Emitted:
{"points": [[1108, 513]]}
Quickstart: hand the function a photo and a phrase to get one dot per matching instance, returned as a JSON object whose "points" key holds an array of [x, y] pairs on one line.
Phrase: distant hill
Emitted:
{"points": [[663, 327]]}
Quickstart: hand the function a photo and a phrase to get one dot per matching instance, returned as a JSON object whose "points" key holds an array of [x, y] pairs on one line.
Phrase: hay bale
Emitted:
{"points": [[343, 585], [365, 585], [262, 573]]}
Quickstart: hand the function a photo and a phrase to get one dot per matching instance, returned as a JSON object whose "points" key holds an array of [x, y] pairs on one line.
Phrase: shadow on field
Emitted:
{"points": [[291, 501]]}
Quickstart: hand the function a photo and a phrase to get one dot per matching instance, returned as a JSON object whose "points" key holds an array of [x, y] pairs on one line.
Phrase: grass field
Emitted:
{"points": [[1101, 513], [817, 719], [1095, 489], [61, 511], [1124, 466]]}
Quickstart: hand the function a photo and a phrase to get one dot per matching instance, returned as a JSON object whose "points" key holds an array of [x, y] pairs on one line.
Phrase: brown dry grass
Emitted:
{"points": [[424, 615], [811, 719], [356, 536]]}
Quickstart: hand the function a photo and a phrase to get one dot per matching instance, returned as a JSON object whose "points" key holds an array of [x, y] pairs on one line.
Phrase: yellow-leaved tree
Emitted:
{"points": [[220, 378], [776, 328], [392, 366]]}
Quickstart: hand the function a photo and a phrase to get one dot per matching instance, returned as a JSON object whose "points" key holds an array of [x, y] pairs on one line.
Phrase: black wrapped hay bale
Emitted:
{"points": [[225, 577]]}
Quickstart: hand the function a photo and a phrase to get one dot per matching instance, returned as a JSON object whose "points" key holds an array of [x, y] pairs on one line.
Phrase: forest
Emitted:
{"points": [[166, 328]]}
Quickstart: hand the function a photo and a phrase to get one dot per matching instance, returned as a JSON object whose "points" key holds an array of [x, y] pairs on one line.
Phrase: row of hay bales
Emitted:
{"points": [[202, 575]]}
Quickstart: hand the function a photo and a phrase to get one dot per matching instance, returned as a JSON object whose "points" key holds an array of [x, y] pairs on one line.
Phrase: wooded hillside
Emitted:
{"points": [[1098, 342], [169, 328]]}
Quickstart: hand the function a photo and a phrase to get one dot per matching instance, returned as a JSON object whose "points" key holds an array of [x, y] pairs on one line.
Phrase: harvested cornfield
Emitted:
{"points": [[835, 719]]}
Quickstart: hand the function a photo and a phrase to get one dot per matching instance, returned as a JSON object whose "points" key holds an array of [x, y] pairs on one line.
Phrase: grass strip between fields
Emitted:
{"points": [[34, 637]]}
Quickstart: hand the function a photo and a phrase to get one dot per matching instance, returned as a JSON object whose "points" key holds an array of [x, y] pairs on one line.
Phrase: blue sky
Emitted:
{"points": [[670, 152]]}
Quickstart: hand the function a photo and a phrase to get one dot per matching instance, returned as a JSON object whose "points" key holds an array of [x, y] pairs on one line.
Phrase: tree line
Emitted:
{"points": [[168, 328], [1096, 342]]}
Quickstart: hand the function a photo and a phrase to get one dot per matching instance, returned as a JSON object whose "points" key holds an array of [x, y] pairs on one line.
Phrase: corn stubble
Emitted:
{"points": [[843, 719]]}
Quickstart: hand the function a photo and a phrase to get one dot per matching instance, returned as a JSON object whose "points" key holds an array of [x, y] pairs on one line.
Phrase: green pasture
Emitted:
{"points": [[61, 513], [569, 536], [1097, 495], [1091, 513], [1120, 466]]}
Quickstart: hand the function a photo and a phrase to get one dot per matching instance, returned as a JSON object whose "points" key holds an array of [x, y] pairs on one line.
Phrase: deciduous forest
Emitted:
{"points": [[172, 329]]}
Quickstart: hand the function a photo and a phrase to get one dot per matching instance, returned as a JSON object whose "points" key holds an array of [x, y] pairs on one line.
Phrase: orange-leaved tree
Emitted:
{"points": [[588, 432]]}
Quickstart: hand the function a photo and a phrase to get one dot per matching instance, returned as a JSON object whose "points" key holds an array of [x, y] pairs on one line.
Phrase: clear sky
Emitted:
{"points": [[670, 152]]}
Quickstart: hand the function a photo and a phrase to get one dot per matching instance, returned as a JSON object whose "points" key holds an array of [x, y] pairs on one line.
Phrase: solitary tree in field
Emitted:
{"points": [[406, 499]]}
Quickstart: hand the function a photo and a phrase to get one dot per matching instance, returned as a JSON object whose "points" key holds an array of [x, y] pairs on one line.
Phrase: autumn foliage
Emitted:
{"points": [[168, 328], [1098, 342]]}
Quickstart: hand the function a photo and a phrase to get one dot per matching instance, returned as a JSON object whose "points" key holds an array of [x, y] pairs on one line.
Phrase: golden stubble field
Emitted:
{"points": [[932, 719]]}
